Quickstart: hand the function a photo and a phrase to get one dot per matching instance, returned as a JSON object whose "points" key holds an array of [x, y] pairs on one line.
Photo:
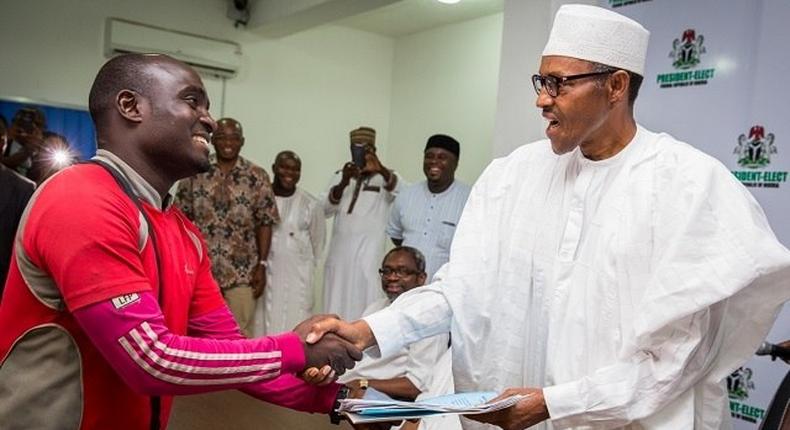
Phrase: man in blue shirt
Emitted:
{"points": [[425, 214]]}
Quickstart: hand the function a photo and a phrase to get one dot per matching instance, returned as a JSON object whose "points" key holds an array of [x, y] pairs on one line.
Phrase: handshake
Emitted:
{"points": [[332, 346]]}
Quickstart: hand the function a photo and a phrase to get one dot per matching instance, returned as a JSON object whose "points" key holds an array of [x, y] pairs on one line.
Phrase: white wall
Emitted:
{"points": [[445, 81], [305, 92], [524, 33]]}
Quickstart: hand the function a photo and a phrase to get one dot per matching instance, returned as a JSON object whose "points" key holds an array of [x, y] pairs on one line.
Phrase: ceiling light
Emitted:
{"points": [[448, 1]]}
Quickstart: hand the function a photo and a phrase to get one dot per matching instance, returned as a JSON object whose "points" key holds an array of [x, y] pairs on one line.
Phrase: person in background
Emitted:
{"points": [[110, 308], [590, 271], [359, 198], [233, 205], [25, 139], [425, 214], [297, 244], [423, 369], [15, 193]]}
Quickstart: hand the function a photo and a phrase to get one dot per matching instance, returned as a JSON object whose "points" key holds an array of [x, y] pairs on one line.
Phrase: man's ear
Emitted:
{"points": [[128, 104], [421, 278], [619, 82]]}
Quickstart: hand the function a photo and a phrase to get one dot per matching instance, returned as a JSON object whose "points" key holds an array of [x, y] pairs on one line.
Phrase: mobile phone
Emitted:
{"points": [[358, 154]]}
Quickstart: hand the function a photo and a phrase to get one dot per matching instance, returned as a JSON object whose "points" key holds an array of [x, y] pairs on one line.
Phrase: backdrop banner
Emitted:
{"points": [[716, 78]]}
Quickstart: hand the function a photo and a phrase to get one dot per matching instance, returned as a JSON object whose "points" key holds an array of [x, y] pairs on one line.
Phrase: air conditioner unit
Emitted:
{"points": [[214, 57]]}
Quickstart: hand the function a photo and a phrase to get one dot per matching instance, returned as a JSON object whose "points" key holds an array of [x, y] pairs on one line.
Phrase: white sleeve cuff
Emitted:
{"points": [[387, 331], [564, 401]]}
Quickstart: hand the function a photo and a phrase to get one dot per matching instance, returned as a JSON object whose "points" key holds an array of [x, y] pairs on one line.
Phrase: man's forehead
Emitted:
{"points": [[284, 159], [228, 127], [561, 66], [400, 258], [165, 69], [437, 150]]}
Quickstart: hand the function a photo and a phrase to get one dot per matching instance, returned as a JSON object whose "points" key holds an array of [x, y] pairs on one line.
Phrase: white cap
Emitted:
{"points": [[596, 34]]}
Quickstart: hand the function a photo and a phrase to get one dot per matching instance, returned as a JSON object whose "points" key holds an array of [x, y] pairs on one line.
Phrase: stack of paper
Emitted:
{"points": [[377, 406]]}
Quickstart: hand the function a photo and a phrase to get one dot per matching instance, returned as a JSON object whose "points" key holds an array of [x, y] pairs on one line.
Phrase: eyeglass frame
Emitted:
{"points": [[561, 80], [400, 272]]}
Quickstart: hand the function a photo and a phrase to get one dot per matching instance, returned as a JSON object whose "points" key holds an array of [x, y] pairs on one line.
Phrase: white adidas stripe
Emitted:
{"points": [[219, 370], [206, 356], [190, 381]]}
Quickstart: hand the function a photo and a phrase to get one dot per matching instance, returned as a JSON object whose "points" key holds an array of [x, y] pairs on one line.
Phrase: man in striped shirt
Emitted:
{"points": [[425, 214]]}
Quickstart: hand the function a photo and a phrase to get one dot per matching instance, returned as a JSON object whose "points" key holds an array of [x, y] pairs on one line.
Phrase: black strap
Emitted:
{"points": [[156, 401]]}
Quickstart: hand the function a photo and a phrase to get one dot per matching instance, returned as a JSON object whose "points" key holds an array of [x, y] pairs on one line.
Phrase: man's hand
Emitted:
{"points": [[526, 413], [258, 280], [785, 344], [350, 170], [357, 332], [373, 164], [320, 377], [332, 350]]}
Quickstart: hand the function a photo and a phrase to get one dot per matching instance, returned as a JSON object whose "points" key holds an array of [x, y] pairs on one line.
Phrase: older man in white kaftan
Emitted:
{"points": [[590, 269], [359, 198], [297, 244]]}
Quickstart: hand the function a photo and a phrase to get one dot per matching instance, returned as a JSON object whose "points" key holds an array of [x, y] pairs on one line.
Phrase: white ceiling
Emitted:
{"points": [[412, 16]]}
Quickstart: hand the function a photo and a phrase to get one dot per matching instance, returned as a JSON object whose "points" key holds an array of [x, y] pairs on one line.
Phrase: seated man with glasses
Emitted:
{"points": [[422, 370]]}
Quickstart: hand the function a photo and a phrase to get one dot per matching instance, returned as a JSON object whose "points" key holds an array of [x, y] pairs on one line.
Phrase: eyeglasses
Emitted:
{"points": [[401, 272], [553, 83]]}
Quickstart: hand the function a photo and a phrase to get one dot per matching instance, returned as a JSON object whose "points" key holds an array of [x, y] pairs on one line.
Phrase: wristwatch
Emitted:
{"points": [[263, 263], [334, 415], [363, 384]]}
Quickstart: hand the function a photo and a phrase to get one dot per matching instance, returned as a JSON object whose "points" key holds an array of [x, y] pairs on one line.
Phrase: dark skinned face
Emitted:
{"points": [[580, 109], [287, 172], [439, 165], [179, 124], [227, 140], [394, 284]]}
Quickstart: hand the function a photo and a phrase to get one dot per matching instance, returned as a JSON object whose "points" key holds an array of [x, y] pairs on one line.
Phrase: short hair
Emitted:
{"points": [[233, 121], [48, 134], [36, 114], [416, 255], [635, 79], [287, 155], [124, 72]]}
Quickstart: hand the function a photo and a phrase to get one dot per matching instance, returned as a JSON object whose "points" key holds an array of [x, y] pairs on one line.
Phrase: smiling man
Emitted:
{"points": [[590, 270], [110, 307], [233, 205], [424, 215], [297, 244]]}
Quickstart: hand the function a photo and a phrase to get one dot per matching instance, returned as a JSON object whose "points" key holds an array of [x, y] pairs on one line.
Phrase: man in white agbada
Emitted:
{"points": [[297, 243], [423, 369], [359, 197], [591, 268]]}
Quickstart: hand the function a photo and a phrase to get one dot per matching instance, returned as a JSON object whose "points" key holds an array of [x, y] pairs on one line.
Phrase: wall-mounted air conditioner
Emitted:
{"points": [[211, 56]]}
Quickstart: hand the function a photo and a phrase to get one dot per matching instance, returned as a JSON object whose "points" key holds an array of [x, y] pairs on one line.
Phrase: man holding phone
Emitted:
{"points": [[359, 197]]}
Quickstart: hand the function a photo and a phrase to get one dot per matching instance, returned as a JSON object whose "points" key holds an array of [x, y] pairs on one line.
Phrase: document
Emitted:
{"points": [[377, 406]]}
